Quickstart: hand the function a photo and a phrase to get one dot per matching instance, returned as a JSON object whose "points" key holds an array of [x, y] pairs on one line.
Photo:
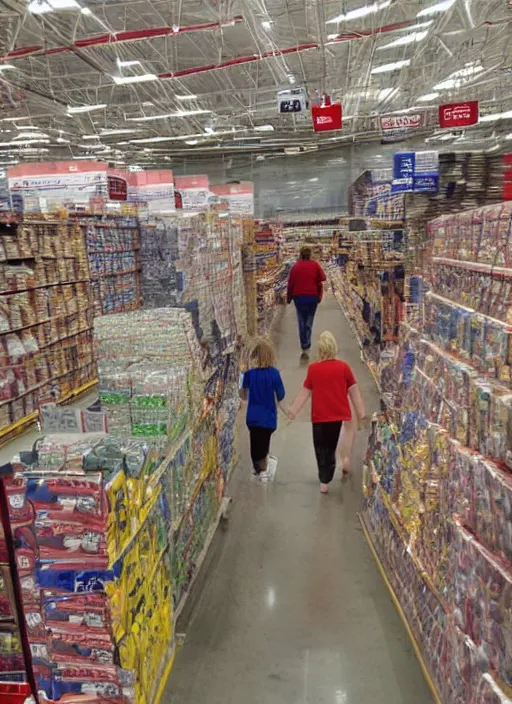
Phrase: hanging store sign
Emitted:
{"points": [[292, 100], [194, 192], [236, 198], [416, 172], [327, 117], [402, 122], [459, 114]]}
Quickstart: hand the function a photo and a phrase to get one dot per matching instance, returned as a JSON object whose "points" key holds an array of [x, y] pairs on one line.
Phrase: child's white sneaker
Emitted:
{"points": [[272, 467]]}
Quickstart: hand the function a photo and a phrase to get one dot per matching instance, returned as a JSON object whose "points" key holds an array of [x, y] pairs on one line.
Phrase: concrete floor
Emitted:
{"points": [[290, 607]]}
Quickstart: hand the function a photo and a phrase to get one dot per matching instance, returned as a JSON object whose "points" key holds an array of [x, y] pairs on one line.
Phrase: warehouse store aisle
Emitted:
{"points": [[290, 608]]}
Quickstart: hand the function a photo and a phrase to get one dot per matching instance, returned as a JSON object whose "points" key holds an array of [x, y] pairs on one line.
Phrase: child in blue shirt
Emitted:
{"points": [[263, 387]]}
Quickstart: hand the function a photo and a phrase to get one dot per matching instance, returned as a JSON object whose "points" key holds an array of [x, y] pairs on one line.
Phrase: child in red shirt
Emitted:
{"points": [[331, 384]]}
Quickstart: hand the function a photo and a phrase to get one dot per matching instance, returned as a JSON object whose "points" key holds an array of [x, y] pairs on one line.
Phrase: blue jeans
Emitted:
{"points": [[306, 309]]}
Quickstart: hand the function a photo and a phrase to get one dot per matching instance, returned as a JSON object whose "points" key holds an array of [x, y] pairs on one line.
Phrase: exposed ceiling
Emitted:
{"points": [[143, 81]]}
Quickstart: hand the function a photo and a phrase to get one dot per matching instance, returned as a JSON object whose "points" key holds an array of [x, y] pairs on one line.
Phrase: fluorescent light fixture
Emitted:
{"points": [[108, 133], [385, 93], [189, 113], [41, 7], [27, 127], [190, 96], [30, 135], [468, 70], [266, 24], [360, 12], [442, 6], [95, 146], [493, 149], [3, 67], [264, 128], [192, 142], [428, 97], [143, 78], [413, 38], [15, 119], [148, 140], [125, 64], [459, 78], [61, 140], [78, 109], [9, 163], [89, 158], [23, 142], [494, 117], [209, 130], [86, 11], [313, 180], [178, 113], [391, 67], [292, 78]]}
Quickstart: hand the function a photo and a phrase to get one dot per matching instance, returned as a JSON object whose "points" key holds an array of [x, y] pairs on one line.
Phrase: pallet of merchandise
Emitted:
{"points": [[45, 318]]}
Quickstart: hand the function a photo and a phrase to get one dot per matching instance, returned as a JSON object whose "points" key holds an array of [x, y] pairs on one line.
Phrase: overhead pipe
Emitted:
{"points": [[275, 53], [131, 35], [282, 52]]}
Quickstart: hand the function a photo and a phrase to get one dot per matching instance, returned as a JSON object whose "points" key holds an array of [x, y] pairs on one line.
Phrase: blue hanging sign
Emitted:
{"points": [[404, 165], [416, 172]]}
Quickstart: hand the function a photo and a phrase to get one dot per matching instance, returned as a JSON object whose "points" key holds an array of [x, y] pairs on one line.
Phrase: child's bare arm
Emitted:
{"points": [[299, 402], [357, 401], [244, 394]]}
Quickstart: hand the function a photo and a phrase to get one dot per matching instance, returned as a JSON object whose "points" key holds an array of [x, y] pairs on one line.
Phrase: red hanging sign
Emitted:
{"points": [[327, 117], [459, 114]]}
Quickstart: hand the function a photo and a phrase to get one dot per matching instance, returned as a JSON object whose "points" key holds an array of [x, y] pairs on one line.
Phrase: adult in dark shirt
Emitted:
{"points": [[305, 289]]}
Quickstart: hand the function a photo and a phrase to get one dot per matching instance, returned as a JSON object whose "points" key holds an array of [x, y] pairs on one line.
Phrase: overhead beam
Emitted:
{"points": [[133, 35]]}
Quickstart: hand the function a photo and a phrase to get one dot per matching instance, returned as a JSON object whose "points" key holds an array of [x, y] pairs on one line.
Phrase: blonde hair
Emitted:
{"points": [[262, 354], [327, 346]]}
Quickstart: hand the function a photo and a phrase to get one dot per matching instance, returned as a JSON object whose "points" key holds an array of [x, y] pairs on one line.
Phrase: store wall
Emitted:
{"points": [[315, 182]]}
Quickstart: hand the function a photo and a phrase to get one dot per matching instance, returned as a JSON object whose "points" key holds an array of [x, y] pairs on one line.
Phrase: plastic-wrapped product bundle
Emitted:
{"points": [[481, 591], [113, 245], [480, 493], [159, 254], [385, 454]]}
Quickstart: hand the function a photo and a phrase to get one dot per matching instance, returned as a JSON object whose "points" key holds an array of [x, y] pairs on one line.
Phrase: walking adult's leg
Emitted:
{"points": [[301, 320], [310, 319]]}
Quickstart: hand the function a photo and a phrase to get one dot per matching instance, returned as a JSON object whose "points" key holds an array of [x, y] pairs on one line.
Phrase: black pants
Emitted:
{"points": [[325, 440], [260, 446]]}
